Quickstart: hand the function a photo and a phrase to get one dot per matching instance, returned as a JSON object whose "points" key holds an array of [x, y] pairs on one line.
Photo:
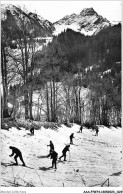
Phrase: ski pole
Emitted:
{"points": [[47, 150], [69, 157]]}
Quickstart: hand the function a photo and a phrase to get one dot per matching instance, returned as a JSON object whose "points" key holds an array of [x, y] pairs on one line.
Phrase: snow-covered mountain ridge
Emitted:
{"points": [[88, 22], [45, 27]]}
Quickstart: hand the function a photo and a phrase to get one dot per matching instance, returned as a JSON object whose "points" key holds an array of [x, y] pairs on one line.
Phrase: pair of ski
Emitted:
{"points": [[14, 164]]}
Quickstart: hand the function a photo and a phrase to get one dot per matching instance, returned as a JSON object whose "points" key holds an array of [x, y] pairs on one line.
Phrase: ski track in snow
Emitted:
{"points": [[91, 160]]}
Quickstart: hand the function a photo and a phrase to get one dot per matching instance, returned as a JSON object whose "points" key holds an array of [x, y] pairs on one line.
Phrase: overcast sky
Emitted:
{"points": [[55, 10]]}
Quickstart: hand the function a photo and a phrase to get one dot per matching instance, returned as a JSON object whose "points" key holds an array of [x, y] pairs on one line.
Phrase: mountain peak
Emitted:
{"points": [[43, 26], [88, 22], [88, 11]]}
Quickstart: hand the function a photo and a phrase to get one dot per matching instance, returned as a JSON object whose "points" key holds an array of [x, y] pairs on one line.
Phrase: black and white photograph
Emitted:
{"points": [[61, 113]]}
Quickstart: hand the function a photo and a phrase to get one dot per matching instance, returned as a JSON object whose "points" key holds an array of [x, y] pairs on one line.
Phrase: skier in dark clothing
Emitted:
{"points": [[17, 153], [51, 146], [80, 130], [95, 127], [53, 155], [71, 138], [32, 130], [64, 151], [97, 130]]}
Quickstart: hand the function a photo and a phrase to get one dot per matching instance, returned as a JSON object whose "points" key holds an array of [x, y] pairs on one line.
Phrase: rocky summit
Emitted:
{"points": [[88, 22], [16, 14]]}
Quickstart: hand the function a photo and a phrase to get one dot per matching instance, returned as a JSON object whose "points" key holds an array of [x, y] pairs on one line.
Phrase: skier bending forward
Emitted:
{"points": [[17, 153], [54, 156]]}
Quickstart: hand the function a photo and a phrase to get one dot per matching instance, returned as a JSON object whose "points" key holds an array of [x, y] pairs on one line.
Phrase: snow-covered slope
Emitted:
{"points": [[44, 27], [88, 22], [91, 161]]}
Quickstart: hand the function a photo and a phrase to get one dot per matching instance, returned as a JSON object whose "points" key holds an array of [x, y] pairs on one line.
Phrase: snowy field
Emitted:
{"points": [[91, 161]]}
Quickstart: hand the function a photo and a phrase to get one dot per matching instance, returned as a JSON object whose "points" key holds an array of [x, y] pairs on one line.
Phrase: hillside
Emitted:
{"points": [[14, 16], [92, 159], [59, 72]]}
